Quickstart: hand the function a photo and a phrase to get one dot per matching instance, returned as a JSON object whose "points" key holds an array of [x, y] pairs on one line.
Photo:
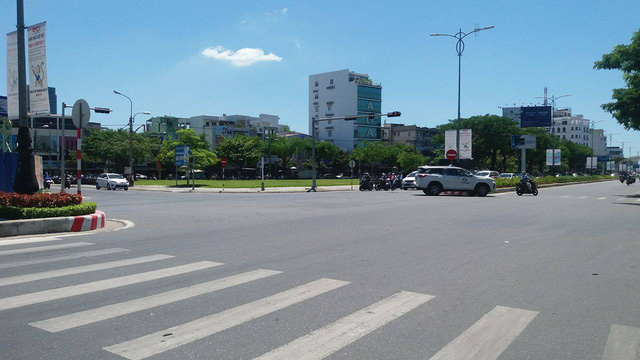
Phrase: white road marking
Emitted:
{"points": [[601, 198], [565, 196], [331, 338], [638, 200], [79, 269], [582, 197], [86, 288], [111, 311], [43, 248], [620, 199], [164, 340], [489, 337], [623, 343], [29, 240], [63, 257]]}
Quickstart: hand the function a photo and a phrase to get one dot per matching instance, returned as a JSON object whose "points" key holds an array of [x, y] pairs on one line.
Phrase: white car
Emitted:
{"points": [[432, 180], [409, 181], [488, 173], [508, 176], [111, 181]]}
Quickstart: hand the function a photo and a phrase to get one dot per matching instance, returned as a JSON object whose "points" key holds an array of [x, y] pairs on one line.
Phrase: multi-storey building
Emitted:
{"points": [[342, 93], [570, 127], [415, 136]]}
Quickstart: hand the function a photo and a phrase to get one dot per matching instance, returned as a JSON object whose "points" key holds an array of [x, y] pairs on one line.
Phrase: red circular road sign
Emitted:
{"points": [[451, 154], [223, 162]]}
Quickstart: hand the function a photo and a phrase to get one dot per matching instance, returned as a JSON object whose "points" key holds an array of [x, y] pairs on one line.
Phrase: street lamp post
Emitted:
{"points": [[459, 36], [25, 181], [313, 138], [131, 117]]}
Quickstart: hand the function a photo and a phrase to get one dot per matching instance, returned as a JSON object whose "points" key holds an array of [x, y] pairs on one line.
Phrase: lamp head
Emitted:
{"points": [[117, 92]]}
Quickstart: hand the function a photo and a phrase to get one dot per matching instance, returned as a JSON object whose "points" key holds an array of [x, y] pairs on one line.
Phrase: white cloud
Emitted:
{"points": [[297, 43], [242, 57], [284, 11]]}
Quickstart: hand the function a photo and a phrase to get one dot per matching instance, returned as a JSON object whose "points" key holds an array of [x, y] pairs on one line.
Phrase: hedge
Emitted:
{"points": [[502, 183], [45, 200], [16, 213]]}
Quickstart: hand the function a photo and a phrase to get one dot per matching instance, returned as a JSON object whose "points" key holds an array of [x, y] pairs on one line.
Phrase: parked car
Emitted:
{"points": [[141, 176], [508, 176], [409, 181], [111, 181], [432, 180], [488, 173]]}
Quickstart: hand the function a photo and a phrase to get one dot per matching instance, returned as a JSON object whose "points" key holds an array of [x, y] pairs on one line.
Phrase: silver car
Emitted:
{"points": [[432, 180], [409, 181], [111, 181]]}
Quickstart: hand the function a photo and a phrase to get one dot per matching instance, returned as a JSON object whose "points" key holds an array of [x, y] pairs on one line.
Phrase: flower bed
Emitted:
{"points": [[17, 213], [46, 200]]}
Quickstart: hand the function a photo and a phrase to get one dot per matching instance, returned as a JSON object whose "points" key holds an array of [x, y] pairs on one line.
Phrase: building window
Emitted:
{"points": [[331, 82], [329, 132], [317, 108], [564, 137], [329, 122], [328, 107], [564, 129], [564, 122], [316, 96], [316, 83]]}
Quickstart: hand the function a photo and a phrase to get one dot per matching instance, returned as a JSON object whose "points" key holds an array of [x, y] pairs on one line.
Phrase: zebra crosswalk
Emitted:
{"points": [[487, 338]]}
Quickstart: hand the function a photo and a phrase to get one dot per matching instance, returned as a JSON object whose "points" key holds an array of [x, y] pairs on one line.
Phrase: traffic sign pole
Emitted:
{"points": [[223, 163], [451, 155]]}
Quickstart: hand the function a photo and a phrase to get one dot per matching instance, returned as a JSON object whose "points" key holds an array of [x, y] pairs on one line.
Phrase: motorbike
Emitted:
{"points": [[47, 183], [630, 180], [623, 178], [523, 189], [366, 184]]}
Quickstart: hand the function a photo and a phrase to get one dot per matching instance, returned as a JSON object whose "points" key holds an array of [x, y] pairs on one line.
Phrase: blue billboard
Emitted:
{"points": [[535, 116], [3, 106]]}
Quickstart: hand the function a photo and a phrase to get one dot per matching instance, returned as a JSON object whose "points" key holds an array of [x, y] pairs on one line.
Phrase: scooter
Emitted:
{"points": [[623, 178], [630, 180], [523, 189], [366, 184]]}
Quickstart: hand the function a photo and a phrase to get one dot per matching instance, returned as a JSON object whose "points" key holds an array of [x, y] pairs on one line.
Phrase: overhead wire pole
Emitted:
{"points": [[553, 99], [313, 137], [460, 49]]}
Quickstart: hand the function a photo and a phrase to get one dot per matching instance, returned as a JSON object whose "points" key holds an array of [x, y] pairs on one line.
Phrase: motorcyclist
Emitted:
{"points": [[526, 180]]}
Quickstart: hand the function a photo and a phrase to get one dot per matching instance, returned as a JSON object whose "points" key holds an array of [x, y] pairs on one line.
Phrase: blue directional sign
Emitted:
{"points": [[182, 155], [535, 116]]}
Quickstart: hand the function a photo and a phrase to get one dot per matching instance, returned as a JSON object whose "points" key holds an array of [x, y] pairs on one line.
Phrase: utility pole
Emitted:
{"points": [[25, 181]]}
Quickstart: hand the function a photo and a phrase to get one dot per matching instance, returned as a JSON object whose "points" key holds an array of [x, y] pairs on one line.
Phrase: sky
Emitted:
{"points": [[188, 58]]}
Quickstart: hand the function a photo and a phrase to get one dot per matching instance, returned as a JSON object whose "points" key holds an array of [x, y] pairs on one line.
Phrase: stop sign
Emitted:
{"points": [[223, 161], [451, 154]]}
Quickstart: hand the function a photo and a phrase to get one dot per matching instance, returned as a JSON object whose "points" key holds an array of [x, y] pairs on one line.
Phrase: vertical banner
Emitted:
{"points": [[553, 157], [450, 140], [465, 144], [12, 75], [38, 87], [592, 162]]}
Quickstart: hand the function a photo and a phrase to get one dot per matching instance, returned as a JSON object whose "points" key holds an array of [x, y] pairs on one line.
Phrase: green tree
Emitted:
{"points": [[240, 151], [111, 148], [285, 149], [408, 161], [198, 149], [626, 108]]}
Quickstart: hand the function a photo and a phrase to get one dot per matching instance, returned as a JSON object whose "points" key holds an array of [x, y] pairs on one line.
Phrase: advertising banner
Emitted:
{"points": [[523, 141], [182, 155], [592, 162], [449, 140], [535, 116], [12, 75], [38, 86], [3, 106], [553, 157], [465, 144]]}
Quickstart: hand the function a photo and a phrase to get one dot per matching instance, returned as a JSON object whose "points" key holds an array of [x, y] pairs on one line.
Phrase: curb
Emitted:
{"points": [[89, 222]]}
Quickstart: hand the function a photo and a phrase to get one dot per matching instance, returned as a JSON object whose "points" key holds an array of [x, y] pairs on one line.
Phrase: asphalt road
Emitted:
{"points": [[406, 276]]}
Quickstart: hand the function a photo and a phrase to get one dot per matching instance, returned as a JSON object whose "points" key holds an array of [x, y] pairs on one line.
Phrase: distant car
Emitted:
{"points": [[432, 180], [329, 176], [508, 176], [409, 181], [488, 173], [140, 176], [111, 181]]}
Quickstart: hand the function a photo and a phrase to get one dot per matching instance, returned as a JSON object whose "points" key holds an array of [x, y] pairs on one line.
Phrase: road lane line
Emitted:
{"points": [[601, 198], [582, 197], [43, 248], [86, 288], [489, 337], [333, 337], [29, 240], [79, 269], [161, 341], [623, 343], [111, 311], [620, 199], [63, 257]]}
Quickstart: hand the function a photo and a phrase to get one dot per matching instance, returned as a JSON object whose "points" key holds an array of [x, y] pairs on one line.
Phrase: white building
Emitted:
{"points": [[341, 93], [569, 127]]}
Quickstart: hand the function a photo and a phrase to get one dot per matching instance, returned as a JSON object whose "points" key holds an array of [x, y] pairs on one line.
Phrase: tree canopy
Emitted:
{"points": [[199, 149], [626, 108], [111, 148]]}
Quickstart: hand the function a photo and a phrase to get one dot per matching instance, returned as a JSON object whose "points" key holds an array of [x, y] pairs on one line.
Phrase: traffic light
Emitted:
{"points": [[101, 110], [394, 114]]}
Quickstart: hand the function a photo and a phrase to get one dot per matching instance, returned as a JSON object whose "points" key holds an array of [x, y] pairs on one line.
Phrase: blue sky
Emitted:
{"points": [[153, 52]]}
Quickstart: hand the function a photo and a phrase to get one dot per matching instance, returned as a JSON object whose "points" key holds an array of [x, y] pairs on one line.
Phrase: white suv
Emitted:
{"points": [[435, 179], [111, 181]]}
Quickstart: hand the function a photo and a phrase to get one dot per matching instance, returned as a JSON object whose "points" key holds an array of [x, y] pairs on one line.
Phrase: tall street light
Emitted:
{"points": [[460, 49], [131, 117], [25, 181]]}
